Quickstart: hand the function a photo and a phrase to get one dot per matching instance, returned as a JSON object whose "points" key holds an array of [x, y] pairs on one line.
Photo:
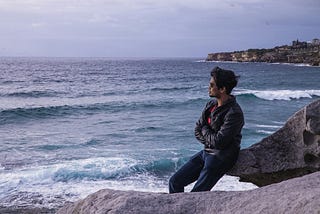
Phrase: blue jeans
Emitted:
{"points": [[204, 168]]}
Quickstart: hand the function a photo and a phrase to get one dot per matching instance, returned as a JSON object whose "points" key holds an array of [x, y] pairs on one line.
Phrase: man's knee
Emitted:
{"points": [[174, 185], [173, 180]]}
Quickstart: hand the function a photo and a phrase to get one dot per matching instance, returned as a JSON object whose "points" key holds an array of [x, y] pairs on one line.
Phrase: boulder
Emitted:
{"points": [[298, 195], [292, 151]]}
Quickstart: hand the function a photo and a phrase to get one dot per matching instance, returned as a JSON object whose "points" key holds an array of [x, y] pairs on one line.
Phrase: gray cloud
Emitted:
{"points": [[152, 28]]}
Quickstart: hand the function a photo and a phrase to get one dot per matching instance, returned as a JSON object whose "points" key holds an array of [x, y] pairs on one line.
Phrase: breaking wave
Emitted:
{"points": [[278, 94]]}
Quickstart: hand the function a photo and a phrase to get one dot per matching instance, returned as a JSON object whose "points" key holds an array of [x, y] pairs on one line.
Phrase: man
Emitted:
{"points": [[219, 130]]}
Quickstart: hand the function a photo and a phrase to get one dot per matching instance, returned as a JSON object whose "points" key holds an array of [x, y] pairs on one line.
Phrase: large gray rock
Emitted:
{"points": [[298, 195], [292, 151]]}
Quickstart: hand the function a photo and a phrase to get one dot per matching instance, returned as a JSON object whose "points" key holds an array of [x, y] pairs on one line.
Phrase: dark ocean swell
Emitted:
{"points": [[169, 89], [25, 114], [17, 115], [95, 171], [33, 94]]}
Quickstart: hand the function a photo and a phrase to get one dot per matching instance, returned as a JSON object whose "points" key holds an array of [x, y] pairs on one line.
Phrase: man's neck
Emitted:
{"points": [[221, 100]]}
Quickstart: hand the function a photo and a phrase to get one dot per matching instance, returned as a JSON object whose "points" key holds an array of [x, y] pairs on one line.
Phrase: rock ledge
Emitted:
{"points": [[298, 195]]}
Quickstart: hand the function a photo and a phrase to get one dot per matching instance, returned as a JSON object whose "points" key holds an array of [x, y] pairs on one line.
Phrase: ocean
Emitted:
{"points": [[72, 126]]}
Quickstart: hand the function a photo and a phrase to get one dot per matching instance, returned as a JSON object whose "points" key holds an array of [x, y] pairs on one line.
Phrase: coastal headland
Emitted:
{"points": [[298, 52]]}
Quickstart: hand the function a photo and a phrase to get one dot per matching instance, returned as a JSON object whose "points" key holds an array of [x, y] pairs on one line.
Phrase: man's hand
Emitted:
{"points": [[198, 130]]}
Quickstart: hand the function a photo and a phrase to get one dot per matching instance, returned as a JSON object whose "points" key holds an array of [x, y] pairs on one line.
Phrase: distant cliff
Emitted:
{"points": [[298, 52]]}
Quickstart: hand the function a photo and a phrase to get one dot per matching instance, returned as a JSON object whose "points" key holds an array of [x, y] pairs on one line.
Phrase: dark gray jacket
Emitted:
{"points": [[222, 137]]}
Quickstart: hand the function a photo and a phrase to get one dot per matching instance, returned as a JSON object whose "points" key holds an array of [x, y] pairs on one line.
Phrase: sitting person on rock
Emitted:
{"points": [[219, 130]]}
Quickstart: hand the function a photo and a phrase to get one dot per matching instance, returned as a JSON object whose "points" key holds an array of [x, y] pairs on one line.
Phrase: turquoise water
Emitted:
{"points": [[71, 126]]}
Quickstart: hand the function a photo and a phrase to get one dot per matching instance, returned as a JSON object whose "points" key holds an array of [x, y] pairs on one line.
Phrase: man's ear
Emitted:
{"points": [[223, 90]]}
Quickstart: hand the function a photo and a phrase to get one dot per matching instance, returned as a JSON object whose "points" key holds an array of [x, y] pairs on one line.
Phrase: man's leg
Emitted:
{"points": [[212, 171], [187, 174]]}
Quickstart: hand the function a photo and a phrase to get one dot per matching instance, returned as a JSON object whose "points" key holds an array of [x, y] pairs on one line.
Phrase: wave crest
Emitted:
{"points": [[20, 114], [93, 169], [32, 94], [279, 94]]}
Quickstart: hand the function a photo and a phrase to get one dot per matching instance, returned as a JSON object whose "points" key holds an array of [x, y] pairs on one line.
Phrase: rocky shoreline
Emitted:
{"points": [[286, 166], [298, 53]]}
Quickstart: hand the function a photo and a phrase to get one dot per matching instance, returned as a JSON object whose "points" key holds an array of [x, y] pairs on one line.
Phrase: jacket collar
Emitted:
{"points": [[227, 103], [232, 99]]}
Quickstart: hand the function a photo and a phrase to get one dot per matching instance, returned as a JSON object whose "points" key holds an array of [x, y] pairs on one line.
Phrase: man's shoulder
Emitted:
{"points": [[235, 109]]}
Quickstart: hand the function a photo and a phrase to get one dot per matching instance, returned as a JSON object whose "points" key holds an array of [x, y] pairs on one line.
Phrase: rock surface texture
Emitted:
{"points": [[292, 151], [298, 195]]}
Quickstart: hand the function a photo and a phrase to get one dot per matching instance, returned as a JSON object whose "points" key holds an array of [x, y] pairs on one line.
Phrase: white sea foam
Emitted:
{"points": [[265, 132], [201, 60], [46, 173], [269, 126], [293, 64], [27, 184], [279, 94], [278, 122]]}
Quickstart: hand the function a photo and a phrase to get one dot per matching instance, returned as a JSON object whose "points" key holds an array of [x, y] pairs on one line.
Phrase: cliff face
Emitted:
{"points": [[308, 54]]}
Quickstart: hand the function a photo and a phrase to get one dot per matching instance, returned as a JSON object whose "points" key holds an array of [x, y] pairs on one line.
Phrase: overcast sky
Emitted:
{"points": [[152, 28]]}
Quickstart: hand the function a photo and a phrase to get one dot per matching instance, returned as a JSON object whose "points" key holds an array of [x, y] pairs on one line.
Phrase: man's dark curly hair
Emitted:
{"points": [[224, 78]]}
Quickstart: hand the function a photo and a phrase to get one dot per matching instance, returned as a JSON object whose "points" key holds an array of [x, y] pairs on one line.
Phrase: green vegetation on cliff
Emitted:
{"points": [[298, 52]]}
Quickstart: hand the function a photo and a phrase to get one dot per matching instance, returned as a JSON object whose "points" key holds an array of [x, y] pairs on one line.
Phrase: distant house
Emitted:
{"points": [[315, 41], [298, 44]]}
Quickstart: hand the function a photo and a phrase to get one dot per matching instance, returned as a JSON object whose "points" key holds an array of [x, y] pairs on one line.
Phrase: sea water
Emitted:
{"points": [[72, 126]]}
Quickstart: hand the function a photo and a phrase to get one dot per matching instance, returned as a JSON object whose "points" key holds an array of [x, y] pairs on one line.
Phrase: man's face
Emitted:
{"points": [[213, 89]]}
